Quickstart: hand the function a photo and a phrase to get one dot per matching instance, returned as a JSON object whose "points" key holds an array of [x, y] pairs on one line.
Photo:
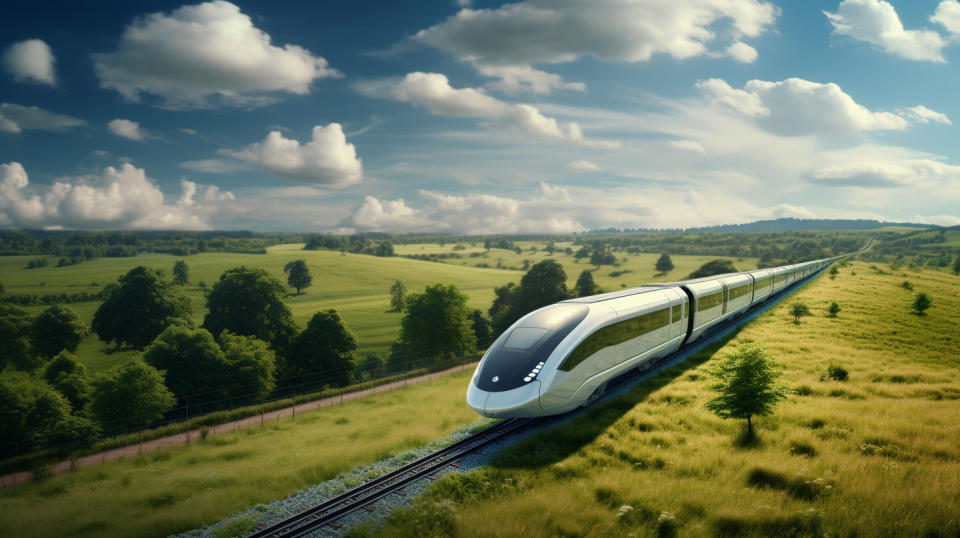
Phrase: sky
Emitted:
{"points": [[476, 117]]}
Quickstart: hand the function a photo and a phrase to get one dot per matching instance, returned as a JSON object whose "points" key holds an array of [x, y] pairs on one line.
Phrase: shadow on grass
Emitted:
{"points": [[747, 440], [556, 444]]}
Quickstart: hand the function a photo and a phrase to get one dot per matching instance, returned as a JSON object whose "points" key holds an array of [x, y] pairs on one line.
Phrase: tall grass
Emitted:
{"points": [[176, 489], [877, 454]]}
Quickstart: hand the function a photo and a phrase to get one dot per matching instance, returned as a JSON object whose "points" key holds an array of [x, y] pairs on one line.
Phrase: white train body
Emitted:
{"points": [[557, 358]]}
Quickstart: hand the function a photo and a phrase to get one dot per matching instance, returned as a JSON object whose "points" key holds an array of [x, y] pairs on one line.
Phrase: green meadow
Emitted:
{"points": [[877, 454], [356, 285], [181, 488]]}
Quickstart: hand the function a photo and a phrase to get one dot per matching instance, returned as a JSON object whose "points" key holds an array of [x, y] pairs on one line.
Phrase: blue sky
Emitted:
{"points": [[482, 117]]}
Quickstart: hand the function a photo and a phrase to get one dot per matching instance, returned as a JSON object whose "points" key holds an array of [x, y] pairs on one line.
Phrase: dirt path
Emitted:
{"points": [[186, 437]]}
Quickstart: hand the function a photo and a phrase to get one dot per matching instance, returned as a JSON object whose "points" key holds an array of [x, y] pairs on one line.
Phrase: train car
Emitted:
{"points": [[562, 356]]}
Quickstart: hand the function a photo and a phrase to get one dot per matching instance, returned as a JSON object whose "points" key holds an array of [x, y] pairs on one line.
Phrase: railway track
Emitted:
{"points": [[362, 496]]}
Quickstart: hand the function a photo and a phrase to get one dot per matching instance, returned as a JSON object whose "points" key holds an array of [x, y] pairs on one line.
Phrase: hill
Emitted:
{"points": [[792, 224]]}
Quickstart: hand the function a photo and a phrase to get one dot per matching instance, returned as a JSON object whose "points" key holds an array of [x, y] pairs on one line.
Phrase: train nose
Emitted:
{"points": [[520, 402]]}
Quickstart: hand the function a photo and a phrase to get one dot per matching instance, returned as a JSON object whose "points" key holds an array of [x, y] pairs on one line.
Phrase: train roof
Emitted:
{"points": [[615, 294]]}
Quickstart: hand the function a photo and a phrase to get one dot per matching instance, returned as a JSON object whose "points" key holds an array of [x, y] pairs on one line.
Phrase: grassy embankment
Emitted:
{"points": [[177, 489], [878, 454], [355, 285]]}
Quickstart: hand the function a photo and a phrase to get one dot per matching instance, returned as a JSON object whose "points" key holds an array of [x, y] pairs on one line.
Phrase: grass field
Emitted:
{"points": [[878, 454], [356, 285], [178, 489]]}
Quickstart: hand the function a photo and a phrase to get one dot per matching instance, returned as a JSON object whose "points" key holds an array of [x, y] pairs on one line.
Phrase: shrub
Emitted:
{"points": [[907, 285], [800, 448], [833, 309], [921, 302], [836, 373]]}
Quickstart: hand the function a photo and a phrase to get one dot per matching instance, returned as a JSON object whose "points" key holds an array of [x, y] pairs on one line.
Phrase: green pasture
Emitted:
{"points": [[181, 488], [875, 455], [356, 285]]}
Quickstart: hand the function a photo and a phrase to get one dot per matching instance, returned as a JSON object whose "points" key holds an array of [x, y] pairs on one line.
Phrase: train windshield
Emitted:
{"points": [[517, 356]]}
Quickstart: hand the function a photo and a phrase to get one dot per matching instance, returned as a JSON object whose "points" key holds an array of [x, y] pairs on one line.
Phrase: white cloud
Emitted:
{"points": [[387, 215], [583, 166], [127, 129], [525, 78], [922, 114], [17, 118], [433, 92], [939, 220], [888, 174], [213, 166], [115, 198], [948, 15], [203, 55], [689, 145], [30, 61], [188, 131], [328, 159], [742, 52], [551, 31], [797, 107], [876, 22]]}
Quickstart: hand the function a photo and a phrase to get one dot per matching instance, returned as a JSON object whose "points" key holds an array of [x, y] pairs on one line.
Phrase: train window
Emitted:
{"points": [[524, 337], [615, 334], [762, 283], [739, 291], [674, 313], [709, 301]]}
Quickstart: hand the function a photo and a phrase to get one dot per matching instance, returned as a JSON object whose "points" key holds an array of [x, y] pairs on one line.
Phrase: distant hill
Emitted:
{"points": [[791, 224]]}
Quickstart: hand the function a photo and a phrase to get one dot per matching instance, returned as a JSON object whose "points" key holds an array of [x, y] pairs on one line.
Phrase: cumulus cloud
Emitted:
{"points": [[876, 22], [948, 15], [922, 114], [434, 92], [550, 31], [127, 129], [17, 118], [742, 52], [30, 61], [206, 54], [115, 198], [887, 174], [583, 166], [213, 166], [524, 78], [796, 107], [689, 145], [327, 159]]}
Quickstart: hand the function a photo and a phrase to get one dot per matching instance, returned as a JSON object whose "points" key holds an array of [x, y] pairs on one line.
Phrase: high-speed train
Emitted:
{"points": [[561, 356]]}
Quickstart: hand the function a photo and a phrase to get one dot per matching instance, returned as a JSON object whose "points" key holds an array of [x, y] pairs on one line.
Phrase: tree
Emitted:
{"points": [[747, 383], [193, 363], [370, 366], [322, 352], [68, 376], [798, 310], [15, 330], [398, 296], [956, 266], [250, 366], [250, 302], [56, 329], [139, 309], [715, 267], [833, 310], [599, 257], [921, 302], [33, 415], [181, 273], [131, 395], [834, 272], [298, 275], [384, 249], [437, 320], [545, 283], [481, 327], [664, 264], [585, 285]]}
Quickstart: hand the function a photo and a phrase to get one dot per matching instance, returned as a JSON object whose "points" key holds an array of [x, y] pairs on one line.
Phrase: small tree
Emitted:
{"points": [[139, 309], [56, 329], [15, 331], [747, 383], [585, 285], [956, 266], [921, 302], [833, 310], [192, 361], [250, 364], [398, 296], [481, 327], [181, 273], [834, 272], [799, 310], [298, 275], [438, 320], [132, 394], [715, 267], [664, 264], [322, 352]]}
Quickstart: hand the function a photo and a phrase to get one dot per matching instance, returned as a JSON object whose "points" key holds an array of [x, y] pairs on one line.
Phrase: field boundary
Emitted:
{"points": [[183, 438]]}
